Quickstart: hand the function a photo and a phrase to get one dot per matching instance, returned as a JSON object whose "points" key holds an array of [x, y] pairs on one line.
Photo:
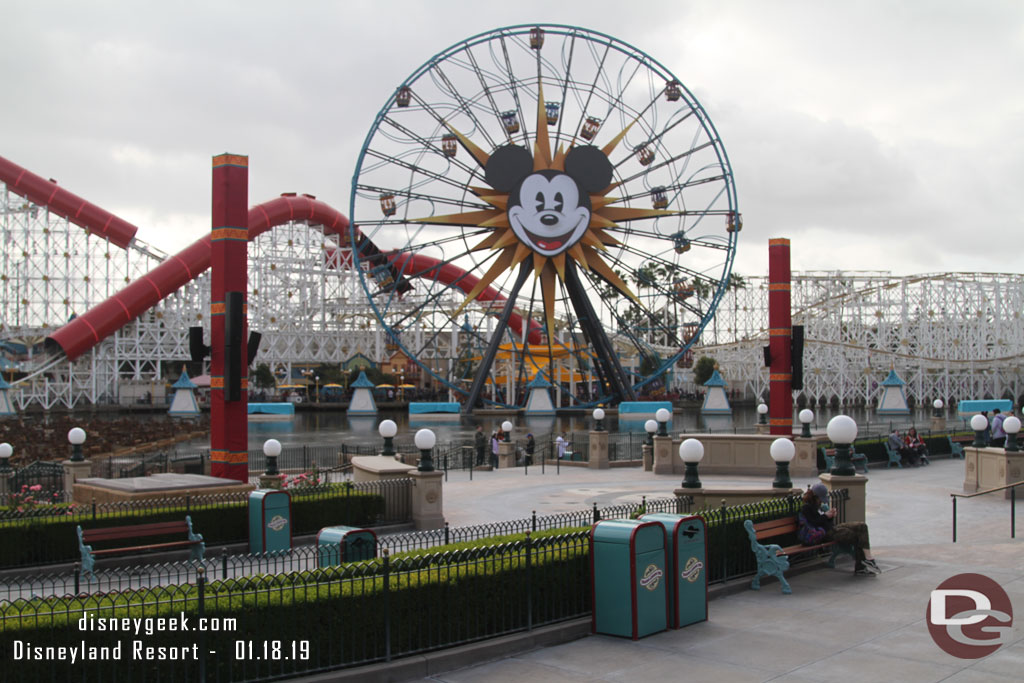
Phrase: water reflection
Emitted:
{"points": [[337, 427]]}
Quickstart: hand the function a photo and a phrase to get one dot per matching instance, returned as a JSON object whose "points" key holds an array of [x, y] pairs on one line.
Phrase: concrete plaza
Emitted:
{"points": [[835, 626]]}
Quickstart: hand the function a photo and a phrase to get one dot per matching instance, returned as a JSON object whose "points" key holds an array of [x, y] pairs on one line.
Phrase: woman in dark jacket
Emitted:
{"points": [[816, 527]]}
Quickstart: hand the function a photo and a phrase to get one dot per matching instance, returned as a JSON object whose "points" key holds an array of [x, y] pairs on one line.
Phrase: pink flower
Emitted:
{"points": [[37, 487]]}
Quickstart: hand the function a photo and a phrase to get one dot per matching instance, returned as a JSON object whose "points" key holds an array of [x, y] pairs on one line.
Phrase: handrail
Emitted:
{"points": [[981, 493], [1013, 504]]}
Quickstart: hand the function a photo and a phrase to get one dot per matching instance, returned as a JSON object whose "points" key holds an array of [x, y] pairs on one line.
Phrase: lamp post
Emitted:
{"points": [[692, 452], [806, 418], [937, 405], [272, 449], [762, 414], [506, 427], [842, 431], [650, 427], [782, 452], [76, 437], [388, 429], [598, 419], [425, 440], [316, 387], [5, 457], [1011, 426], [662, 416], [978, 424]]}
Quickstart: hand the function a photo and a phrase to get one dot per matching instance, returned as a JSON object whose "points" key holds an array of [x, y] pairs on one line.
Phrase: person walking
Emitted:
{"points": [[560, 445], [998, 433], [495, 440], [816, 526], [531, 445], [480, 442]]}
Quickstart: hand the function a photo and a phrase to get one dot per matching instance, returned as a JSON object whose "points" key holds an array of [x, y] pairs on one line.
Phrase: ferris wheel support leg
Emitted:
{"points": [[609, 368], [492, 347]]}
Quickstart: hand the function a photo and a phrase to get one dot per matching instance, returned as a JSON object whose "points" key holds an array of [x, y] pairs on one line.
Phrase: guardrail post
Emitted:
{"points": [[201, 586], [446, 541], [223, 563], [78, 578], [529, 582], [387, 606], [533, 521], [954, 517], [597, 515], [1013, 512]]}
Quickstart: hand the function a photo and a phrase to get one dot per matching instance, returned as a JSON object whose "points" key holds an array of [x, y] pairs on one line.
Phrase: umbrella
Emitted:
{"points": [[406, 386], [385, 386], [332, 386]]}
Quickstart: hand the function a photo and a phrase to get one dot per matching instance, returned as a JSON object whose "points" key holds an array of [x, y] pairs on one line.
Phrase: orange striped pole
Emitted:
{"points": [[780, 326], [229, 428]]}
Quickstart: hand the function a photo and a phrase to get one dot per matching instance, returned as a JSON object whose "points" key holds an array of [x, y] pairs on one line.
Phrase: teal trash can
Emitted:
{"points": [[628, 562], [687, 567], [270, 521], [337, 544]]}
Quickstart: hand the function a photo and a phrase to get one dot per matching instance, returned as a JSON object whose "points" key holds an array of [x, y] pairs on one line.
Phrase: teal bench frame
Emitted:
{"points": [[855, 458], [894, 456], [773, 559], [955, 450]]}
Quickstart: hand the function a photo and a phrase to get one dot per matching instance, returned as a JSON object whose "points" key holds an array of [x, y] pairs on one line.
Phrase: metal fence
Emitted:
{"points": [[274, 621]]}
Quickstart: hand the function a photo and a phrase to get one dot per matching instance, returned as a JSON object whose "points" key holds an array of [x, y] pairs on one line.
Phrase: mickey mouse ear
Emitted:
{"points": [[589, 167], [507, 166]]}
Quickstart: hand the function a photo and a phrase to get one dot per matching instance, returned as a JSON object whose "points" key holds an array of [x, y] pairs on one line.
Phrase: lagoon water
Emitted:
{"points": [[325, 427]]}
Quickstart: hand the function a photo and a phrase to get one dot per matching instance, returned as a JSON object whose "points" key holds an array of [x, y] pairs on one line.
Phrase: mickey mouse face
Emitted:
{"points": [[549, 210], [552, 213]]}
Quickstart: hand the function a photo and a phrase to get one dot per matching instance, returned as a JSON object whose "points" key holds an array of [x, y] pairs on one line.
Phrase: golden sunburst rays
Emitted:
{"points": [[586, 252]]}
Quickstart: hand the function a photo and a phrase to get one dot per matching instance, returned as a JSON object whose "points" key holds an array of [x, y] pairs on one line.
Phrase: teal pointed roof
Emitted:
{"points": [[538, 382], [362, 382], [893, 380], [715, 380], [184, 382]]}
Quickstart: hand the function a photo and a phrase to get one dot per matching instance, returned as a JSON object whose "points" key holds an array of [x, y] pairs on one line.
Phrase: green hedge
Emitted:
{"points": [[474, 593], [42, 540]]}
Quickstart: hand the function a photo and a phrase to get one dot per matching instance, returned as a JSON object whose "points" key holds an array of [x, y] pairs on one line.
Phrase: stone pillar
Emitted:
{"points": [[648, 455], [663, 455], [73, 471], [763, 429], [270, 481], [938, 424], [427, 499], [805, 462], [598, 450], [989, 468], [5, 488], [857, 486], [506, 454]]}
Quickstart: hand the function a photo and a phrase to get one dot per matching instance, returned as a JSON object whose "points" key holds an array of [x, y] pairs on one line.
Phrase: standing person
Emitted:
{"points": [[495, 439], [998, 433], [560, 445], [816, 527], [480, 441], [531, 445], [986, 434]]}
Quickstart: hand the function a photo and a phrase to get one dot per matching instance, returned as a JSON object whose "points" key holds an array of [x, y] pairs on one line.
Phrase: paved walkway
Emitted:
{"points": [[835, 626]]}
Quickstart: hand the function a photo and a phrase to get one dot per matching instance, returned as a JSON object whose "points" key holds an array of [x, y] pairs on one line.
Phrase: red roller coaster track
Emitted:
{"points": [[87, 330]]}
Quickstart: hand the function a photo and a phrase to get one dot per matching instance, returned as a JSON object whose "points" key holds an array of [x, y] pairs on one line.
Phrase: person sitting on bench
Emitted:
{"points": [[816, 527], [917, 448], [897, 444]]}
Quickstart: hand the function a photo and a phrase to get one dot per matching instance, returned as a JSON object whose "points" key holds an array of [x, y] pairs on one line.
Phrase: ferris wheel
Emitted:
{"points": [[544, 203]]}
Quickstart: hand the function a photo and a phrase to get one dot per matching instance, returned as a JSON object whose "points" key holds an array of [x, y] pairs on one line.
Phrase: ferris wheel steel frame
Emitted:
{"points": [[677, 337]]}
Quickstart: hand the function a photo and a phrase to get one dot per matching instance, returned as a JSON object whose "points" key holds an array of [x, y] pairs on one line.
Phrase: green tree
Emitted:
{"points": [[263, 378], [703, 369]]}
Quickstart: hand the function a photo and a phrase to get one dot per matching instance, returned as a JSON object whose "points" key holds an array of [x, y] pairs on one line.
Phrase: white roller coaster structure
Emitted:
{"points": [[949, 335]]}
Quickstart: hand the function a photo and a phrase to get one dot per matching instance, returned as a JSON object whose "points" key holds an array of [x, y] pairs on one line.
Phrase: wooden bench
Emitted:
{"points": [[773, 559], [829, 454], [134, 531]]}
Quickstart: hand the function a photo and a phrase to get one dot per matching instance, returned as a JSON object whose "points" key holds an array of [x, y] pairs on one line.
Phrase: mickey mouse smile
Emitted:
{"points": [[550, 217]]}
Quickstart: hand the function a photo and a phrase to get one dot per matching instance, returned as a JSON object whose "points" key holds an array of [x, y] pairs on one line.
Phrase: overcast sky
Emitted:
{"points": [[875, 135]]}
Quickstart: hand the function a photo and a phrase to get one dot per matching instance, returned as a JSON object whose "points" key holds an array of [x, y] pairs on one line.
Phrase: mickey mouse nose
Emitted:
{"points": [[549, 219]]}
